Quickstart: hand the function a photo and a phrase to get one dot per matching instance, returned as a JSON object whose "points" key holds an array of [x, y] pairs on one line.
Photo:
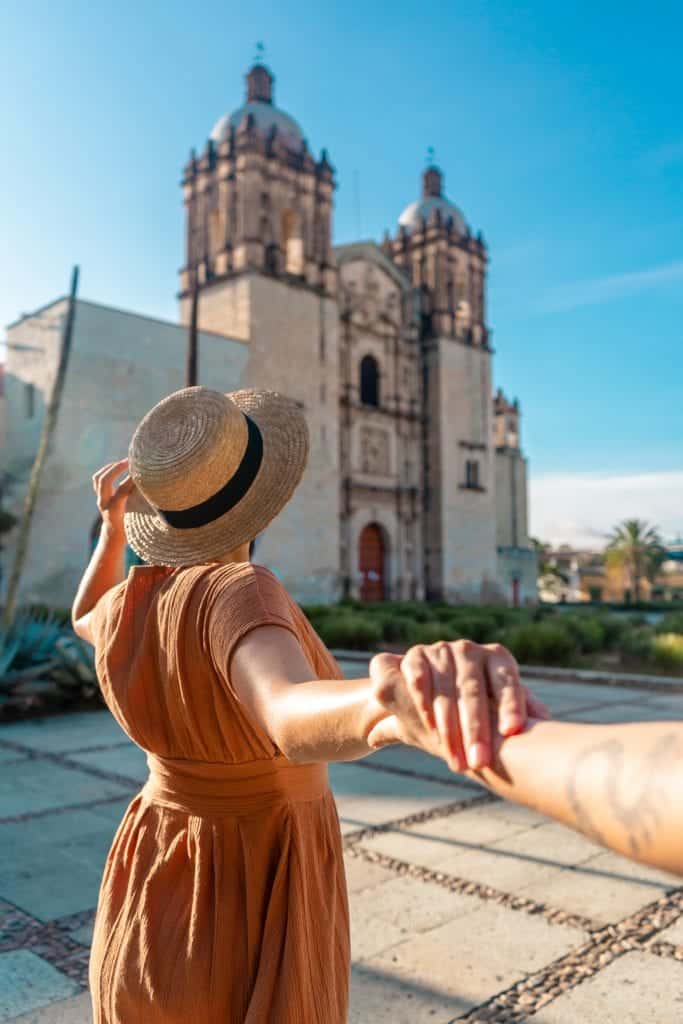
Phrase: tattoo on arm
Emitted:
{"points": [[638, 809]]}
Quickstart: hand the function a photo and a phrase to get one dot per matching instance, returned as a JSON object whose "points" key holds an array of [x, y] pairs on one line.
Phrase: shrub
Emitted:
{"points": [[614, 628], [350, 629], [545, 643], [397, 628], [483, 629], [667, 651], [587, 631], [431, 632], [636, 645], [670, 623]]}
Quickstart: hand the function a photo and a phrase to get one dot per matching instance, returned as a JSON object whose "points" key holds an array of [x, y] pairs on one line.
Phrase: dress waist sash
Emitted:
{"points": [[209, 788]]}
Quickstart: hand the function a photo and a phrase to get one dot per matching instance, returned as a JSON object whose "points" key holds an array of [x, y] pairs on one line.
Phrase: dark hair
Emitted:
{"points": [[252, 545]]}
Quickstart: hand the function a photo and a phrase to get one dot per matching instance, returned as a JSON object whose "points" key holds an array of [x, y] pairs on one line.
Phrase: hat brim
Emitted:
{"points": [[285, 453]]}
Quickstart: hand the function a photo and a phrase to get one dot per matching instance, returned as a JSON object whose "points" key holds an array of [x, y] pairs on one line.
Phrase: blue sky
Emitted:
{"points": [[559, 129]]}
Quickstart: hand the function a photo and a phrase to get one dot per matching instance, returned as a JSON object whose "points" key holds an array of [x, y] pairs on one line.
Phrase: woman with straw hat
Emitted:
{"points": [[223, 897]]}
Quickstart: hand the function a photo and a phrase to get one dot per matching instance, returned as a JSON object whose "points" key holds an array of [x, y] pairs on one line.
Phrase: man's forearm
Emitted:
{"points": [[106, 568], [621, 785]]}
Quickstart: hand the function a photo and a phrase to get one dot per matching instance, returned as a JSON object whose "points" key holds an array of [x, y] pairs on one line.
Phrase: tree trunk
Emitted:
{"points": [[49, 424]]}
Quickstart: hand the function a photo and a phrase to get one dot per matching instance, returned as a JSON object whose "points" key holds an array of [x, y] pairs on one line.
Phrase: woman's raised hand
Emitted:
{"points": [[111, 498], [444, 698]]}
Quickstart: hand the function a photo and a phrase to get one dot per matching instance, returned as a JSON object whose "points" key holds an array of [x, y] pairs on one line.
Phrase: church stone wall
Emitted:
{"points": [[292, 347], [120, 366], [468, 517]]}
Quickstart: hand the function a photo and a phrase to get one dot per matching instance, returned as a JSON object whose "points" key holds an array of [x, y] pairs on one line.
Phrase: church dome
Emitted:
{"points": [[419, 212], [266, 116]]}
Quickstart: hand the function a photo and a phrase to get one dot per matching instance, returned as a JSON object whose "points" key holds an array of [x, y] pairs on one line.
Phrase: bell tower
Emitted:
{"points": [[258, 243], [256, 198], [447, 265]]}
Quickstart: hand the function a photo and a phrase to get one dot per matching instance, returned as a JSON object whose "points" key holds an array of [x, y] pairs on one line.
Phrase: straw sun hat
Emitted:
{"points": [[211, 471]]}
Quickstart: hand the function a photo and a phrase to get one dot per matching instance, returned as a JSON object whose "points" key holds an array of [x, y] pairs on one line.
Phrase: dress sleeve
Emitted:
{"points": [[240, 601]]}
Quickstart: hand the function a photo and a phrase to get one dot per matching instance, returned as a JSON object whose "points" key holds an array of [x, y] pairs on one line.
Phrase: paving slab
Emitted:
{"points": [[635, 989], [432, 841], [127, 760], [28, 983], [443, 973], [9, 756], [32, 786], [369, 798], [409, 759], [361, 874], [674, 933], [400, 908], [66, 1011], [59, 734], [627, 713], [604, 896], [51, 887], [83, 934]]}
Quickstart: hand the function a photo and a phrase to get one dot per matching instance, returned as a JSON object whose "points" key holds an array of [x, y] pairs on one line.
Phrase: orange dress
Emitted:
{"points": [[223, 899]]}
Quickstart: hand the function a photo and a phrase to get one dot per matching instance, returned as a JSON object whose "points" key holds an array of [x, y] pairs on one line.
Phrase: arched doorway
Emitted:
{"points": [[372, 563]]}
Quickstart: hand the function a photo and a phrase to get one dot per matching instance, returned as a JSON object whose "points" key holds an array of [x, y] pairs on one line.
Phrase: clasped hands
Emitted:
{"points": [[455, 700]]}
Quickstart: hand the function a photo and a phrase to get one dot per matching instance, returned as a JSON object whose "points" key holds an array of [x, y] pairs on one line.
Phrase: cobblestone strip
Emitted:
{"points": [[444, 811], [52, 940], [463, 886], [530, 995]]}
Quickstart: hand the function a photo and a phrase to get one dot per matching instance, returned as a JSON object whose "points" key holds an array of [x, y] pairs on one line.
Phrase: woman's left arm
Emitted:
{"points": [[107, 566]]}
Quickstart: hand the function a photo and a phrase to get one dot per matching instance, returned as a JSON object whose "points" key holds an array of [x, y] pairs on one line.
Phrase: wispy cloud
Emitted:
{"points": [[582, 508], [597, 290]]}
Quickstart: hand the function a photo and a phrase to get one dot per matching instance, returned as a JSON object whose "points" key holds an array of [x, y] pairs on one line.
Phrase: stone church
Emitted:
{"points": [[416, 486]]}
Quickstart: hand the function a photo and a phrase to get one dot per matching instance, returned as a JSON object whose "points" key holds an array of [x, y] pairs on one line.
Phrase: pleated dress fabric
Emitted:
{"points": [[223, 899]]}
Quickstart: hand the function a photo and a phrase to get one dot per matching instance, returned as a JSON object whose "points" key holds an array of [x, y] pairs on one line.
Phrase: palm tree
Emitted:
{"points": [[636, 547]]}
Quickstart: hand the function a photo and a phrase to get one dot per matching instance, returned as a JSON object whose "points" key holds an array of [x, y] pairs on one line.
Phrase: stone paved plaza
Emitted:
{"points": [[464, 908]]}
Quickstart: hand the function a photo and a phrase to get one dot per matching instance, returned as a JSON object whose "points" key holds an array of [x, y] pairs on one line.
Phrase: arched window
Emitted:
{"points": [[369, 381], [291, 242]]}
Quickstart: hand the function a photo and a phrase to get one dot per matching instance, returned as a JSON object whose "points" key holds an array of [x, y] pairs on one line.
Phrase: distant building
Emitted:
{"points": [[583, 576], [416, 485]]}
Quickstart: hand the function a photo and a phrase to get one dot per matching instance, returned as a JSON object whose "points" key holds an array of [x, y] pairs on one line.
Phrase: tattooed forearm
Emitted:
{"points": [[603, 788]]}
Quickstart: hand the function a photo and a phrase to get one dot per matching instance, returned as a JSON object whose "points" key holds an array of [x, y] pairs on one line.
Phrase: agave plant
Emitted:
{"points": [[75, 666], [27, 648]]}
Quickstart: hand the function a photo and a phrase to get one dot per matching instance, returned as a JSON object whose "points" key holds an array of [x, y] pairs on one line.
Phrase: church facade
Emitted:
{"points": [[416, 486]]}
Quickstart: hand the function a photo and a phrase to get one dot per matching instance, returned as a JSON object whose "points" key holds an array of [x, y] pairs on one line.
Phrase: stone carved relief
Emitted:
{"points": [[370, 297], [374, 451]]}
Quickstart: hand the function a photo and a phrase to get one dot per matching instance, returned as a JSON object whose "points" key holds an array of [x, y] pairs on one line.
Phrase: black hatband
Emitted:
{"points": [[229, 495]]}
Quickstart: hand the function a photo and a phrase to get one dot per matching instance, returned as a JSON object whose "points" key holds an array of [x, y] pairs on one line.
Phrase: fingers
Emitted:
{"points": [[103, 481], [473, 702], [387, 682], [536, 708], [417, 673], [506, 689], [445, 704], [387, 731]]}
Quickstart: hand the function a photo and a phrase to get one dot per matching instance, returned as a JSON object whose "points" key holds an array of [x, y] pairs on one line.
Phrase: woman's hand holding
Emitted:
{"points": [[445, 697]]}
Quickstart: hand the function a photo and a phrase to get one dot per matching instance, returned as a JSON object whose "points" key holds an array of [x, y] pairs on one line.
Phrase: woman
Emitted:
{"points": [[223, 897]]}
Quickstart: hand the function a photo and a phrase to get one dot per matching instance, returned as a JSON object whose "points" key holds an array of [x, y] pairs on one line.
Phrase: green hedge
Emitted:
{"points": [[542, 643]]}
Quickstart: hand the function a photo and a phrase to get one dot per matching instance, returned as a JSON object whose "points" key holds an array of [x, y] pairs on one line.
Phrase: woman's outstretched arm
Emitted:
{"points": [[329, 719], [621, 785]]}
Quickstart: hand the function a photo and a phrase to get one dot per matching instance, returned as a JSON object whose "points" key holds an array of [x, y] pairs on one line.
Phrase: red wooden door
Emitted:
{"points": [[371, 560]]}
